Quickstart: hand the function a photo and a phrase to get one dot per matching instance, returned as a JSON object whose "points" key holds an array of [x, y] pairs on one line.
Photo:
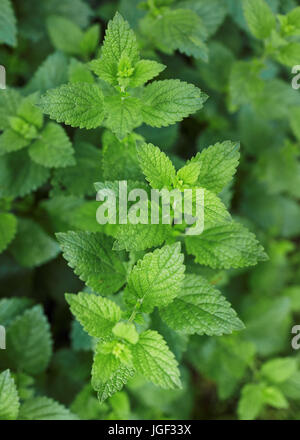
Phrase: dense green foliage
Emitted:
{"points": [[121, 321]]}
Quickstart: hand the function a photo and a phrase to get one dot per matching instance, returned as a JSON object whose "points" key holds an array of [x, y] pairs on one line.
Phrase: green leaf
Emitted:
{"points": [[289, 54], [154, 360], [32, 246], [218, 164], [291, 22], [97, 315], [189, 173], [10, 100], [92, 258], [29, 341], [76, 10], [245, 83], [274, 397], [140, 237], [181, 29], [90, 40], [257, 316], [225, 246], [109, 374], [169, 101], [8, 28], [64, 34], [119, 158], [126, 331], [178, 29], [291, 387], [79, 105], [53, 148], [84, 215], [144, 71], [51, 73], [19, 175], [200, 308], [212, 13], [251, 402], [79, 72], [28, 111], [279, 370], [156, 166], [8, 229], [78, 180], [11, 141], [156, 279], [259, 17], [10, 308], [214, 211], [9, 399], [123, 114], [119, 42], [44, 408], [223, 360]]}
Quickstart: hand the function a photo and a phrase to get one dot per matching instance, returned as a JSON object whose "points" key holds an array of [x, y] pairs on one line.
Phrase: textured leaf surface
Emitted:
{"points": [[189, 173], [156, 279], [126, 331], [156, 166], [53, 148], [92, 258], [8, 229], [217, 165], [79, 105], [119, 42], [29, 341], [97, 315], [140, 237], [9, 399], [169, 101], [210, 206], [44, 408], [109, 375], [225, 246], [144, 71], [200, 308], [123, 114], [154, 360]]}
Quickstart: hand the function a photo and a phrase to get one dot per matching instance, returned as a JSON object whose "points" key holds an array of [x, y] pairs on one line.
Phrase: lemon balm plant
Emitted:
{"points": [[132, 270], [151, 295]]}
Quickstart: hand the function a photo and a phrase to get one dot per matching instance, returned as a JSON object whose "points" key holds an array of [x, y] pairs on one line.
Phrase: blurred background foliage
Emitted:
{"points": [[251, 100]]}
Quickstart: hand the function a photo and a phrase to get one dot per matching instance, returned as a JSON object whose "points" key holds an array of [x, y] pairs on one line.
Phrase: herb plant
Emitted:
{"points": [[157, 314]]}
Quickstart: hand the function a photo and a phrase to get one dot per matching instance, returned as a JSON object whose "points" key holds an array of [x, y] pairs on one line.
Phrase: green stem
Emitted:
{"points": [[134, 311]]}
